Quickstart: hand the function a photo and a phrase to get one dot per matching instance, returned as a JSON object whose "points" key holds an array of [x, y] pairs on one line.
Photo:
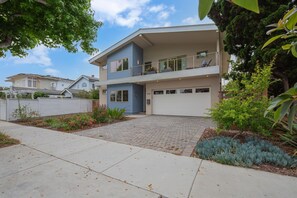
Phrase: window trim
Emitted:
{"points": [[122, 65], [116, 95]]}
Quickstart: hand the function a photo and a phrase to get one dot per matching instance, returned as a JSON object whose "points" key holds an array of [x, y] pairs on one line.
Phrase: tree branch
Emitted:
{"points": [[6, 43], [40, 1], [3, 1]]}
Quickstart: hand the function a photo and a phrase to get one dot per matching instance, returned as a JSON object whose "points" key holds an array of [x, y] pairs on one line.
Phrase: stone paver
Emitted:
{"points": [[164, 133]]}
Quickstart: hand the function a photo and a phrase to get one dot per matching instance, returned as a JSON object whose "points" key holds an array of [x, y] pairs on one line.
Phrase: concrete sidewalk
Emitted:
{"points": [[55, 164]]}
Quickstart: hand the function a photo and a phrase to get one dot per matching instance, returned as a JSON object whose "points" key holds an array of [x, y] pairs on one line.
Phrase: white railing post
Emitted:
{"points": [[193, 62]]}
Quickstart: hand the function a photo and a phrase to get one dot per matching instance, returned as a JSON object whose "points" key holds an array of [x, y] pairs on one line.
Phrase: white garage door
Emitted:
{"points": [[185, 102]]}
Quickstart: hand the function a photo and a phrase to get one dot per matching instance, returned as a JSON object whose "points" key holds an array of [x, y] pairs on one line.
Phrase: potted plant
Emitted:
{"points": [[150, 70]]}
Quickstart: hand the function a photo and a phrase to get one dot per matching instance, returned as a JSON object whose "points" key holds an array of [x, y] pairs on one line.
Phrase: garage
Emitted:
{"points": [[182, 101]]}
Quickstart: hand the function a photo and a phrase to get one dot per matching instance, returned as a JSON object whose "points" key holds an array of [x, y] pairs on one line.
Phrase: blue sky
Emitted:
{"points": [[120, 18]]}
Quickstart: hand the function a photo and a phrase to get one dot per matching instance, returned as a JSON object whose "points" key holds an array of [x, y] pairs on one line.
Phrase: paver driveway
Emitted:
{"points": [[172, 134]]}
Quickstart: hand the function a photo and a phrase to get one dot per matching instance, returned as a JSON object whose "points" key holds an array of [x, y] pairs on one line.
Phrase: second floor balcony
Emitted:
{"points": [[175, 64]]}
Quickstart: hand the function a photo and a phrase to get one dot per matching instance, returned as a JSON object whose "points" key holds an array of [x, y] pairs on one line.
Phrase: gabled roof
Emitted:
{"points": [[89, 78], [10, 78], [143, 31]]}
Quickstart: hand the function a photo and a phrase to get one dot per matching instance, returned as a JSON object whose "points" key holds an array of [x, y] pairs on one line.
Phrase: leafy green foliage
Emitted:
{"points": [[246, 41], [5, 140], [24, 113], [53, 23], [205, 6], [245, 107], [100, 114], [2, 95], [284, 114], [40, 95], [254, 151], [287, 24], [93, 94], [116, 113], [73, 122]]}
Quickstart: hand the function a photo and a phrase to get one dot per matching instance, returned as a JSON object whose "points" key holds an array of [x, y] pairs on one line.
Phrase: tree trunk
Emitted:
{"points": [[284, 79], [3, 1]]}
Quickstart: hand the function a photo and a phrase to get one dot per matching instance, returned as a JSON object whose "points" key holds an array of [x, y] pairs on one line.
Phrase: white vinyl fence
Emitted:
{"points": [[45, 106]]}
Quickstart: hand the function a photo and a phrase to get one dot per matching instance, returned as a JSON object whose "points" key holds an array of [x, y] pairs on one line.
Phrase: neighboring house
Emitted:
{"points": [[166, 71], [83, 83], [30, 83]]}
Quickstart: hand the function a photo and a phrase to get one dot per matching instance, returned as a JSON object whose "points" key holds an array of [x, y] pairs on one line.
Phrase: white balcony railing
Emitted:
{"points": [[176, 64]]}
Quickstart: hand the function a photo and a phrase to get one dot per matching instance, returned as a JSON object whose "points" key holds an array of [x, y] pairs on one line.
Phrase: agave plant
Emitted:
{"points": [[284, 111]]}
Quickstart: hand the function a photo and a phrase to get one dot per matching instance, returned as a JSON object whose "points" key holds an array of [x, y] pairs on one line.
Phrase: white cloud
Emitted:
{"points": [[191, 20], [51, 71], [128, 13], [38, 55], [121, 12]]}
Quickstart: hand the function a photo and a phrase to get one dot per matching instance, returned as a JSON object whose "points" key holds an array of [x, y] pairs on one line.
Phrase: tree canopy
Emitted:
{"points": [[246, 34], [53, 23]]}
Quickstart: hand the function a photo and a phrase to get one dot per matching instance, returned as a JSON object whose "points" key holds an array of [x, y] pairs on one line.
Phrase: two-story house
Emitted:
{"points": [[167, 71], [34, 82], [83, 83]]}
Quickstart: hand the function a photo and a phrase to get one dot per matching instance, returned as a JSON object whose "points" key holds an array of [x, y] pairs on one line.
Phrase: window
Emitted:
{"points": [[112, 96], [84, 84], [171, 91], [202, 90], [160, 92], [125, 96], [119, 65], [173, 64], [148, 66], [93, 86], [188, 90], [52, 85], [29, 83], [119, 96], [32, 82]]}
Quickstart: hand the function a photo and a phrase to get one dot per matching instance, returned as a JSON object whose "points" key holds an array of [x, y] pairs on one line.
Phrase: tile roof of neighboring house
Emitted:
{"points": [[32, 90], [9, 78]]}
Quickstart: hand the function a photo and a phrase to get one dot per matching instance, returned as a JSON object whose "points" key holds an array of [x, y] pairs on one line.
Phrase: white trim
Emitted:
{"points": [[188, 28]]}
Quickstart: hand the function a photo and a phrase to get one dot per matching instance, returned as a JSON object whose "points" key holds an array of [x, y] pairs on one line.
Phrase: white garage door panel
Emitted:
{"points": [[191, 104]]}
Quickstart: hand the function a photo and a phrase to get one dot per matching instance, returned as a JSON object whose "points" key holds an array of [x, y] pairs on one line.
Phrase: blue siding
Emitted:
{"points": [[134, 53], [137, 60], [125, 52], [135, 98]]}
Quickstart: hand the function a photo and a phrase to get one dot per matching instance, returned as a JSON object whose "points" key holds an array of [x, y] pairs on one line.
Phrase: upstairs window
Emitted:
{"points": [[119, 65], [84, 84], [32, 82]]}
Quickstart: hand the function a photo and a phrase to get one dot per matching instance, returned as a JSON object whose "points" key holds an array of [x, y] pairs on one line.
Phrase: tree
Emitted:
{"points": [[53, 23], [246, 34]]}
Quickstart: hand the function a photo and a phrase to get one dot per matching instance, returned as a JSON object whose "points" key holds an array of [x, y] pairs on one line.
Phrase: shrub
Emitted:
{"points": [[254, 151], [73, 122], [116, 113], [24, 113], [245, 107], [39, 94], [100, 114]]}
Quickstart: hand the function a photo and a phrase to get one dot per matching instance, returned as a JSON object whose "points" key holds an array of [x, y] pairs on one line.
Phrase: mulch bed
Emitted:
{"points": [[210, 133], [39, 122]]}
